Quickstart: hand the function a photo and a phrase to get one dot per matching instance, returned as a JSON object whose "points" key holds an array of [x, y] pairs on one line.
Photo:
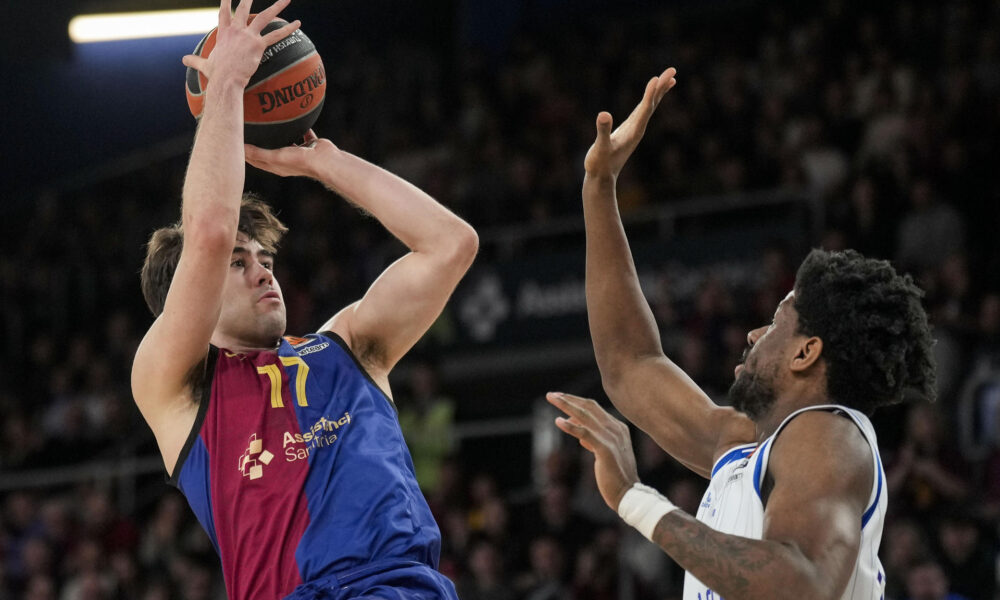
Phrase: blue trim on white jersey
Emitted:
{"points": [[757, 467], [878, 492], [734, 454]]}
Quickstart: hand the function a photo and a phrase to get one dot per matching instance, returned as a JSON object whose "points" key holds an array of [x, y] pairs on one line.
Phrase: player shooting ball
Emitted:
{"points": [[288, 449]]}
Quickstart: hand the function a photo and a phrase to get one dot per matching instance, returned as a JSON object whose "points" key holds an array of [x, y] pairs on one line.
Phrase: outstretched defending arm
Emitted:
{"points": [[409, 295], [178, 339], [822, 471], [646, 386]]}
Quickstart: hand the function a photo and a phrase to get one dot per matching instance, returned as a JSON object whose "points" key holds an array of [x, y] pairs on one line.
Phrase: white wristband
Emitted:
{"points": [[642, 507]]}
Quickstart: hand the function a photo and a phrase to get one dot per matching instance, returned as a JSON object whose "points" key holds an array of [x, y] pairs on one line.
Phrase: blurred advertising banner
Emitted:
{"points": [[540, 297]]}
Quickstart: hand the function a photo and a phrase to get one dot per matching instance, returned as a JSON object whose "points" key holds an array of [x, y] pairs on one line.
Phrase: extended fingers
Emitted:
{"points": [[656, 88], [604, 124], [664, 83], [279, 34], [583, 410], [242, 14], [580, 432], [267, 15], [195, 62], [225, 12]]}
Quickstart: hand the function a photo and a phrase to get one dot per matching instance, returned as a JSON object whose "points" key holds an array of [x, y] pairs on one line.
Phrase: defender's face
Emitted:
{"points": [[759, 376], [253, 309]]}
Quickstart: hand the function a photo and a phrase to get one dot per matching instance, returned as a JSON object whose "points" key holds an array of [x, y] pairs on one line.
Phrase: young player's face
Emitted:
{"points": [[758, 377], [253, 309]]}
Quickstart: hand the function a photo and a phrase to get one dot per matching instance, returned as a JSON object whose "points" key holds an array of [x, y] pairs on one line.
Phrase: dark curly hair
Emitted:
{"points": [[876, 339]]}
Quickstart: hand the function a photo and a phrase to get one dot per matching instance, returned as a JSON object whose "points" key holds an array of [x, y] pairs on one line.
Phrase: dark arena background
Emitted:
{"points": [[837, 124]]}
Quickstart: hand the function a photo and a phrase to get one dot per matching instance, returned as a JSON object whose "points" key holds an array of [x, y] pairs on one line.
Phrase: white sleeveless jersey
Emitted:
{"points": [[732, 504]]}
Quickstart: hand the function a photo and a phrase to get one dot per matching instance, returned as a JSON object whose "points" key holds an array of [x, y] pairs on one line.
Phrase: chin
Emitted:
{"points": [[271, 328], [752, 395]]}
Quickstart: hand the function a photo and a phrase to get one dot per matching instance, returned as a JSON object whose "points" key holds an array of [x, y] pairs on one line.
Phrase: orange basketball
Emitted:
{"points": [[283, 98]]}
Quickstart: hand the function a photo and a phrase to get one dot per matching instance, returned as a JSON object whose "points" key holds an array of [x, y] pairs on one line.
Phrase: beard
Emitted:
{"points": [[752, 394]]}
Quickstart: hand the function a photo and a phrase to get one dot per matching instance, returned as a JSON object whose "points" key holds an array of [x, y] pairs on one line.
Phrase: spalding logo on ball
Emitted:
{"points": [[283, 98]]}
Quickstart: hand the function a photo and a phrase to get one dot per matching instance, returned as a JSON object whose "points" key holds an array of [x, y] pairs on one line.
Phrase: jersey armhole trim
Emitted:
{"points": [[735, 453], [357, 363], [211, 358]]}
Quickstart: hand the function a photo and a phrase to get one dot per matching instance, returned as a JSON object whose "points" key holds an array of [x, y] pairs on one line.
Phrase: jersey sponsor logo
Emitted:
{"points": [[311, 349], [707, 502], [254, 458], [301, 344], [322, 434]]}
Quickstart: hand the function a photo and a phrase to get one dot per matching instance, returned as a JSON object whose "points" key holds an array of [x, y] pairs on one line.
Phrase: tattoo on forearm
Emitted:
{"points": [[724, 562]]}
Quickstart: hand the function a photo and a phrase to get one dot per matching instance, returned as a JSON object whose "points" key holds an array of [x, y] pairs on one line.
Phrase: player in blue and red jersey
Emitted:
{"points": [[288, 449]]}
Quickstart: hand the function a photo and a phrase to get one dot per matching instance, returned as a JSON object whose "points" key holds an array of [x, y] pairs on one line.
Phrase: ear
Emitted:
{"points": [[807, 354]]}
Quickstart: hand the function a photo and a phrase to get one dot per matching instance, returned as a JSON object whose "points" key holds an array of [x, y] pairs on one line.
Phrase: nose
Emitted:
{"points": [[263, 276], [755, 334]]}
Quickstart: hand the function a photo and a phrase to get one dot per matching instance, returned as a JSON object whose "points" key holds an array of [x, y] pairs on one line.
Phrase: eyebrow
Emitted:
{"points": [[261, 252]]}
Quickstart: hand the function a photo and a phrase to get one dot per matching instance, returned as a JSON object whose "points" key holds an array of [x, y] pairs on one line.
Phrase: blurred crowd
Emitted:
{"points": [[885, 116]]}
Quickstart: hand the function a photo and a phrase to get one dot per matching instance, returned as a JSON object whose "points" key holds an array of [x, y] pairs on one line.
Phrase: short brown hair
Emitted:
{"points": [[164, 248]]}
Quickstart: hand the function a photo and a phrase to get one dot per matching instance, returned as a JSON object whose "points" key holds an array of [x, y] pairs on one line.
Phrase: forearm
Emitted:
{"points": [[405, 210], [621, 323], [214, 181], [738, 567]]}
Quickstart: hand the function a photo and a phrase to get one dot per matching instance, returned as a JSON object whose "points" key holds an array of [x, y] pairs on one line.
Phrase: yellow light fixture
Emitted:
{"points": [[138, 25]]}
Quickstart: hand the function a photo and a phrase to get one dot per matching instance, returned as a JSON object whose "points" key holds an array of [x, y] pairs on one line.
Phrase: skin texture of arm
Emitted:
{"points": [[821, 467], [646, 386], [178, 339], [821, 475], [410, 294]]}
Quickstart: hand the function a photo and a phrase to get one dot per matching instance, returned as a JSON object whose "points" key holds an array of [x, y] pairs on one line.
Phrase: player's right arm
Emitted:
{"points": [[177, 342], [646, 386]]}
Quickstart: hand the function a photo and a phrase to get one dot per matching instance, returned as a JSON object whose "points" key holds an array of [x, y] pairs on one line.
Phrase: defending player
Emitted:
{"points": [[288, 449], [796, 500]]}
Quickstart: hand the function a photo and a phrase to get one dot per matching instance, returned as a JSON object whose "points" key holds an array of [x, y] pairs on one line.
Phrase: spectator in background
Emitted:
{"points": [[968, 561], [904, 545], [930, 232], [486, 578], [427, 418], [544, 579], [928, 473], [926, 580]]}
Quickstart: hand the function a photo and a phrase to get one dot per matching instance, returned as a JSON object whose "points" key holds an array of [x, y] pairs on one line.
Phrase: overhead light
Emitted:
{"points": [[137, 25]]}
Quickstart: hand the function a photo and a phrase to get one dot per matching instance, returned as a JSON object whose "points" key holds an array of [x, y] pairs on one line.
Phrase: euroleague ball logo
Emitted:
{"points": [[306, 101]]}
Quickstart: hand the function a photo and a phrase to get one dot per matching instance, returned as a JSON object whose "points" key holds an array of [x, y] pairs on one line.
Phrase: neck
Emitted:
{"points": [[242, 346], [787, 403]]}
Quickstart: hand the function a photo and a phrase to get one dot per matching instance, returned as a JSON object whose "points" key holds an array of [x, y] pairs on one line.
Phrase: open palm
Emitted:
{"points": [[612, 148]]}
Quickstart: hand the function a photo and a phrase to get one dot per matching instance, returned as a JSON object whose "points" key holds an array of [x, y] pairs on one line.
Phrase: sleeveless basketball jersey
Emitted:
{"points": [[732, 504], [297, 469]]}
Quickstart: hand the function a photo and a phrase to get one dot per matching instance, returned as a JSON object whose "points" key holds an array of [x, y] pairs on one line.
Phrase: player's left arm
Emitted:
{"points": [[822, 474], [409, 295]]}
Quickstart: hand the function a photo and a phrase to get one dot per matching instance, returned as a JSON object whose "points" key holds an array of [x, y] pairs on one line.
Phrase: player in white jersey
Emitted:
{"points": [[797, 496]]}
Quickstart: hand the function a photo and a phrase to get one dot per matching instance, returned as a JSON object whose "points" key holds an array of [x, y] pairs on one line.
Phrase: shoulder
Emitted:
{"points": [[826, 447]]}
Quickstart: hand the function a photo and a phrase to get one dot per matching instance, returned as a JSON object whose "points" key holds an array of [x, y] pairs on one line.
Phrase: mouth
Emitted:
{"points": [[738, 370], [270, 296]]}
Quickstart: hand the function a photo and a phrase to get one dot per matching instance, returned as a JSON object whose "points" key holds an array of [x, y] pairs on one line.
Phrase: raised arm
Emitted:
{"points": [[178, 339], [646, 386], [409, 295], [822, 473]]}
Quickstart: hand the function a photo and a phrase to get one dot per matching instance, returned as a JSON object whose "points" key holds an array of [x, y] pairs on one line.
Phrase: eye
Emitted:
{"points": [[237, 263], [267, 265]]}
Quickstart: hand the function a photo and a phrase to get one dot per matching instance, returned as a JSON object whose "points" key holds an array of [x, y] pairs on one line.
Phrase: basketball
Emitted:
{"points": [[283, 98]]}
